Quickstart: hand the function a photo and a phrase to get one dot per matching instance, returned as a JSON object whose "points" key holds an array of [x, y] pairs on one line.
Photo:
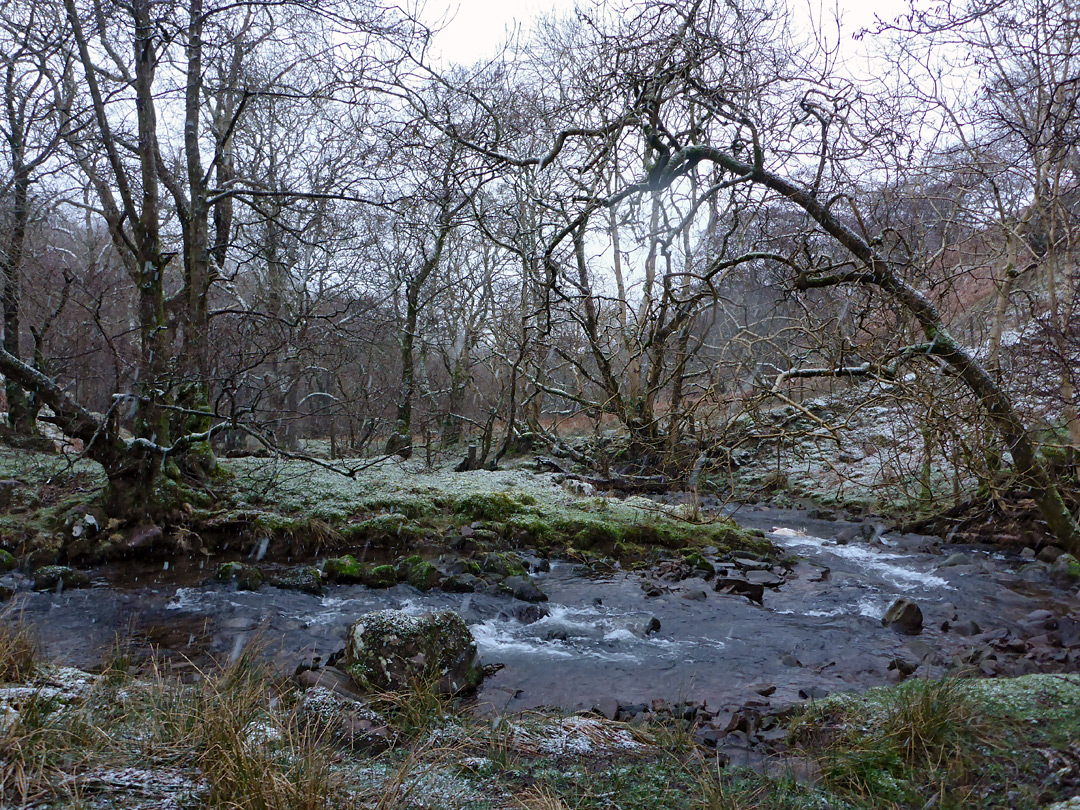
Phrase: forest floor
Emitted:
{"points": [[241, 738]]}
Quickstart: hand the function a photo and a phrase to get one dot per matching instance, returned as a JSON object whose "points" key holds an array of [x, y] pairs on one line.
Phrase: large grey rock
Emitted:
{"points": [[904, 616], [1065, 569], [390, 650], [522, 588], [59, 577]]}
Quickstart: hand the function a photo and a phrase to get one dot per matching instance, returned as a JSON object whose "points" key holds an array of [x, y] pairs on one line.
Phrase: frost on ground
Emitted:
{"points": [[573, 736], [135, 788]]}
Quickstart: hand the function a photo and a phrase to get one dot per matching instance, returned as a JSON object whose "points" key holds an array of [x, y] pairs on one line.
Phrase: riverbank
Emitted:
{"points": [[241, 737]]}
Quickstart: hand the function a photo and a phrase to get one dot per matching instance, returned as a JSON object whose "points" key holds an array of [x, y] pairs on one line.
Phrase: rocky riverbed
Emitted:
{"points": [[716, 630]]}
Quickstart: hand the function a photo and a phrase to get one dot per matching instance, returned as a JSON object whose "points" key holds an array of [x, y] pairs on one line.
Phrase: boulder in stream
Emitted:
{"points": [[52, 577], [1065, 569], [392, 650], [904, 616]]}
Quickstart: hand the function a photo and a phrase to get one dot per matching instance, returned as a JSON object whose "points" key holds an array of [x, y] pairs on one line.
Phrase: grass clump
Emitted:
{"points": [[18, 651]]}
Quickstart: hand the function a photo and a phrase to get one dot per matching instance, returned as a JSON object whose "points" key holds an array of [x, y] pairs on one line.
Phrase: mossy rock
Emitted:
{"points": [[246, 577], [380, 576], [343, 569], [419, 573], [699, 563], [304, 578], [6, 593], [1065, 569], [7, 561], [50, 577], [390, 650], [503, 564]]}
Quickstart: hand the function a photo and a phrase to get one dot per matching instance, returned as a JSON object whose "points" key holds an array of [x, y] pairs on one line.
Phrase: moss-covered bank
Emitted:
{"points": [[297, 508]]}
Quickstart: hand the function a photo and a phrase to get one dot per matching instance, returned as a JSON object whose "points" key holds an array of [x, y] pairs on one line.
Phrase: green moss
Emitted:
{"points": [[395, 528], [343, 569], [412, 508], [491, 505], [7, 561], [699, 563], [380, 576], [246, 577], [502, 563]]}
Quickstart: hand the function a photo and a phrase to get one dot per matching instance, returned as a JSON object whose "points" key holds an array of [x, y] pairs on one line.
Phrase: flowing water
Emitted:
{"points": [[820, 630]]}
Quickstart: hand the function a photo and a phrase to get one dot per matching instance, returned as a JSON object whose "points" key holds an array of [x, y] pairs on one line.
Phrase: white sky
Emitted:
{"points": [[479, 27]]}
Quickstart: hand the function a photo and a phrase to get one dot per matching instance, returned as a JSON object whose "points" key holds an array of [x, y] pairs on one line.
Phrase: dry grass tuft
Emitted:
{"points": [[18, 652]]}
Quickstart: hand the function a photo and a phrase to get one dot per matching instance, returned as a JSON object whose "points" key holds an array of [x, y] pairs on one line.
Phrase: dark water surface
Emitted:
{"points": [[813, 631]]}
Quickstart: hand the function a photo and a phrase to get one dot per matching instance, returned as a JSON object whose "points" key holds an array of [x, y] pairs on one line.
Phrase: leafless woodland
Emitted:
{"points": [[250, 227]]}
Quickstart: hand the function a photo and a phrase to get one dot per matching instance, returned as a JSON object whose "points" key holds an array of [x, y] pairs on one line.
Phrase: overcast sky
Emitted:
{"points": [[478, 27]]}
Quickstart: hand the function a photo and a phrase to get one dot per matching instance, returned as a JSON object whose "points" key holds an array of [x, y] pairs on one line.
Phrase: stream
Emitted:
{"points": [[819, 632]]}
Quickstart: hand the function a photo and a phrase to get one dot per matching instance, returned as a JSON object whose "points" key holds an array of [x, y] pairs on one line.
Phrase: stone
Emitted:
{"points": [[606, 707], [641, 625], [59, 577], [419, 573], [762, 688], [694, 595], [955, 559], [303, 578], [766, 578], [1048, 554], [380, 576], [461, 583], [345, 570], [965, 627], [345, 720], [789, 660], [525, 614], [6, 592], [329, 678], [7, 561], [904, 616], [813, 693], [753, 591], [390, 650], [1065, 570], [246, 577], [522, 588]]}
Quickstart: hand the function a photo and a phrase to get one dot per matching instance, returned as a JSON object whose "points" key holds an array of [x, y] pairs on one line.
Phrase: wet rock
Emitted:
{"points": [[903, 666], [789, 660], [1068, 630], [708, 737], [1048, 554], [813, 693], [7, 561], [698, 564], [762, 688], [640, 625], [753, 591], [1027, 553], [304, 578], [526, 614], [6, 593], [344, 570], [821, 514], [606, 707], [694, 595], [923, 651], [522, 588], [391, 649], [766, 578], [904, 616], [461, 583], [965, 627], [503, 564], [246, 577], [419, 573], [1065, 570], [562, 630], [380, 576], [53, 577], [955, 559]]}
